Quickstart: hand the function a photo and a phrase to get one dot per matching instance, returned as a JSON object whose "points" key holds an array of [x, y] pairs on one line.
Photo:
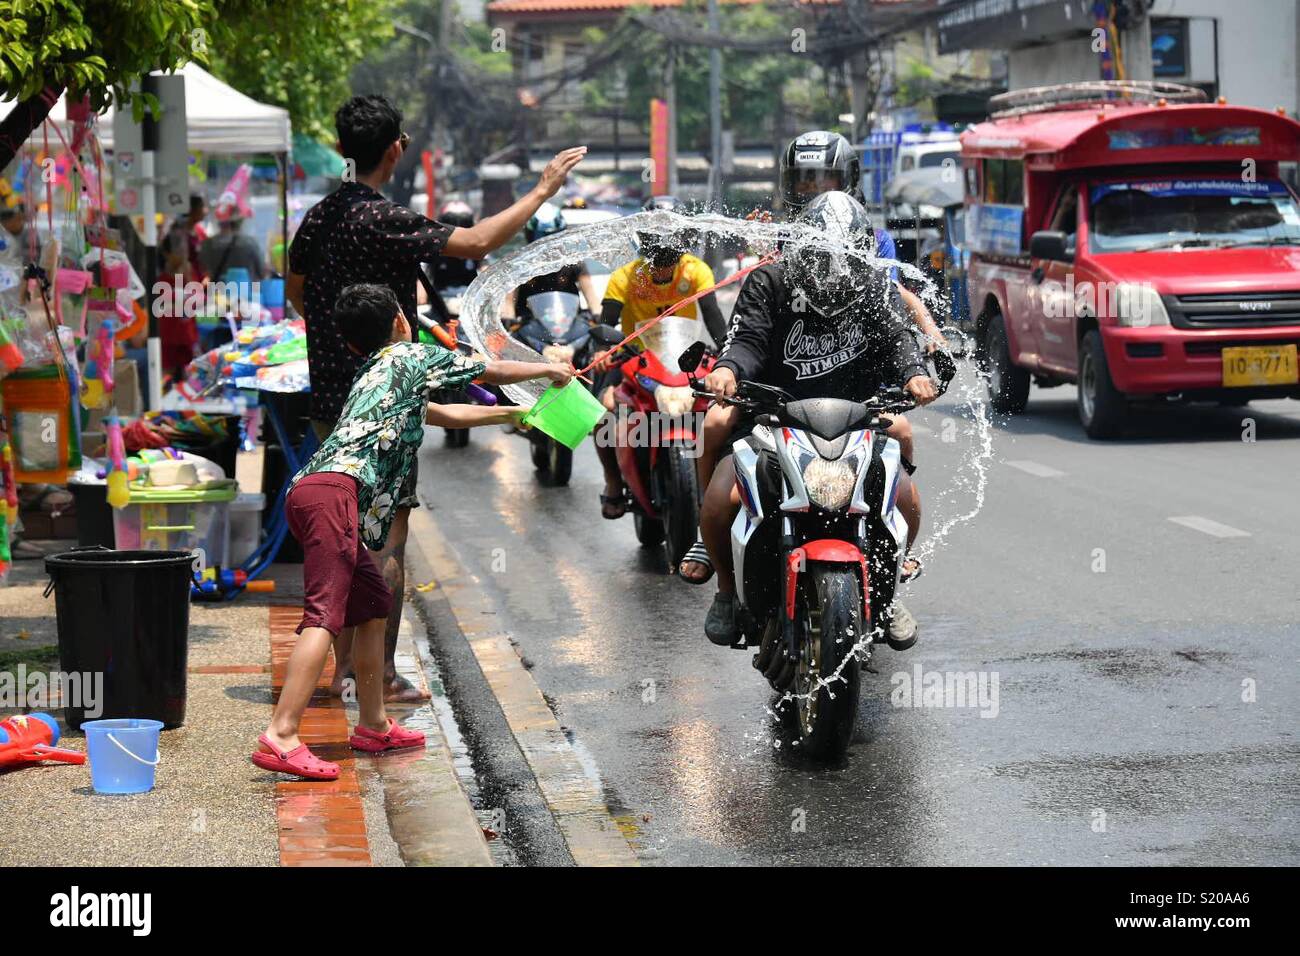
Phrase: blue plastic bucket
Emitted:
{"points": [[123, 754], [273, 293]]}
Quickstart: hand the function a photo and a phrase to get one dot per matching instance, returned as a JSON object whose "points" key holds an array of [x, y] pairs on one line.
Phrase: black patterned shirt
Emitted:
{"points": [[366, 238]]}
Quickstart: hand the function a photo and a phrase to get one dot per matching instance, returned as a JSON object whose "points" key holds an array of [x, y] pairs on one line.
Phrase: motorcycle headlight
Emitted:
{"points": [[1139, 306], [558, 353], [829, 483], [674, 399]]}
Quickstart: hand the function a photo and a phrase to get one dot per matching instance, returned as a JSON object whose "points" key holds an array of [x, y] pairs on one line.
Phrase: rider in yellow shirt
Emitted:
{"points": [[637, 292]]}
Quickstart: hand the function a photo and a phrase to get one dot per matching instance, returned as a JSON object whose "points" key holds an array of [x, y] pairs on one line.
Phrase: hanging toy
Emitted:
{"points": [[118, 493], [97, 383]]}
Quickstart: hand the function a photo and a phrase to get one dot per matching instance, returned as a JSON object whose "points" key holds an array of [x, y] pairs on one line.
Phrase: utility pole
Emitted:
{"points": [[715, 113], [149, 211], [670, 97]]}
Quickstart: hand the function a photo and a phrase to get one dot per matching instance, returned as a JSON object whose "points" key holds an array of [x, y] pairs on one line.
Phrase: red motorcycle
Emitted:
{"points": [[656, 429]]}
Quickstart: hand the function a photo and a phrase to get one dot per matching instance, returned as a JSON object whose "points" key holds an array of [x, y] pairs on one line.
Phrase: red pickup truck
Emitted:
{"points": [[1136, 240]]}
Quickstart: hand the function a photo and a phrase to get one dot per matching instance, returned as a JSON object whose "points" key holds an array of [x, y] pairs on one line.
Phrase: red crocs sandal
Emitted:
{"points": [[299, 761], [397, 738]]}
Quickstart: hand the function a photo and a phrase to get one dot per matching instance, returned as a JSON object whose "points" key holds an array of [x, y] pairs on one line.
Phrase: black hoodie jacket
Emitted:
{"points": [[776, 339]]}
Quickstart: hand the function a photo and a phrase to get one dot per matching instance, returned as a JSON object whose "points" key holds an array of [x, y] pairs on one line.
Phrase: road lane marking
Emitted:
{"points": [[1035, 469], [919, 429], [574, 799], [1206, 526]]}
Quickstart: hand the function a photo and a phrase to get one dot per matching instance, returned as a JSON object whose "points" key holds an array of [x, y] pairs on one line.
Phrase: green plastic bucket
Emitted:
{"points": [[566, 414]]}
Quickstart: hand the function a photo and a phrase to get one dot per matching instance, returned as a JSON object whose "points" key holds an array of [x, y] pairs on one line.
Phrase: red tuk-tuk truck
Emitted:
{"points": [[1136, 240]]}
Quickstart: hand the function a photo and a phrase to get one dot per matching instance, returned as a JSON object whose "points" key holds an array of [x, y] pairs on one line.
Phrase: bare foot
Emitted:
{"points": [[402, 691]]}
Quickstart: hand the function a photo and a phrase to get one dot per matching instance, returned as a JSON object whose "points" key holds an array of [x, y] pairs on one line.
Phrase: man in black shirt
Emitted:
{"points": [[355, 235], [819, 325]]}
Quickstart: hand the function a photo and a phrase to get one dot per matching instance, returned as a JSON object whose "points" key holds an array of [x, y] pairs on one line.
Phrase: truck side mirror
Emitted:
{"points": [[1049, 244]]}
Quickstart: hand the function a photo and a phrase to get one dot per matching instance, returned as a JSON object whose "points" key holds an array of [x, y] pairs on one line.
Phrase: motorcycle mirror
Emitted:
{"points": [[606, 335], [690, 359]]}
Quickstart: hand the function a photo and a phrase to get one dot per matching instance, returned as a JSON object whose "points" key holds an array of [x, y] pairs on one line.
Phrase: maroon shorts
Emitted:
{"points": [[342, 585]]}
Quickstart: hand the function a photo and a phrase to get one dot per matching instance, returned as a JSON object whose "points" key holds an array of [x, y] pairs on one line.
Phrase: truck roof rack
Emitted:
{"points": [[1078, 96]]}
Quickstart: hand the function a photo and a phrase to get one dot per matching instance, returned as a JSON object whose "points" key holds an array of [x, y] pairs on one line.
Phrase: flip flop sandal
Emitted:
{"points": [[299, 761], [697, 554], [396, 738], [915, 573], [613, 501]]}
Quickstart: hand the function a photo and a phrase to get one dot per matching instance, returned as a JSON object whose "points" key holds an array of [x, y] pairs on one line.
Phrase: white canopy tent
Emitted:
{"points": [[219, 118]]}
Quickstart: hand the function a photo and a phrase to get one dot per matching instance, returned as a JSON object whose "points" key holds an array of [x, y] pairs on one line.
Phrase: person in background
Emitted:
{"points": [[190, 228], [449, 272], [572, 278], [664, 274], [356, 235], [230, 248], [179, 334]]}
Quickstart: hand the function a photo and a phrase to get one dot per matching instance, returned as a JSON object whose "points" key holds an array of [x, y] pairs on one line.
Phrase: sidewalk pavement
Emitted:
{"points": [[210, 806]]}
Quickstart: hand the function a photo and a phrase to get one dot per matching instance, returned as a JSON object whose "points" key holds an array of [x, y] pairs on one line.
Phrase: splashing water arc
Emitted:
{"points": [[613, 243]]}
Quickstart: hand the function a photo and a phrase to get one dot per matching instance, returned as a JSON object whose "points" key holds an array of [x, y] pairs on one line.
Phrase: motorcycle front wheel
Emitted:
{"points": [[679, 503], [827, 678]]}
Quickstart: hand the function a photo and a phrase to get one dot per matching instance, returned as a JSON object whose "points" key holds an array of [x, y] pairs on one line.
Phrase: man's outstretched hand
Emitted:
{"points": [[558, 169], [922, 388]]}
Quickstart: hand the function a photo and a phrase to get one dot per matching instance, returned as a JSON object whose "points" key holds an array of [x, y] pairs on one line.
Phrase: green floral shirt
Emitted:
{"points": [[378, 435]]}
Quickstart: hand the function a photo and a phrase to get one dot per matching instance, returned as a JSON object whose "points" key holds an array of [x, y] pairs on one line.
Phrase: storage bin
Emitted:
{"points": [[177, 520], [245, 527]]}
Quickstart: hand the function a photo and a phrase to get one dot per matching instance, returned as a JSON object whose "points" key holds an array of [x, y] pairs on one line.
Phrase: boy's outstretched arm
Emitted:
{"points": [[508, 372], [469, 416]]}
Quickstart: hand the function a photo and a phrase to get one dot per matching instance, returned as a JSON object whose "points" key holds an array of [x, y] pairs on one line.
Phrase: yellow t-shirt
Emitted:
{"points": [[643, 300]]}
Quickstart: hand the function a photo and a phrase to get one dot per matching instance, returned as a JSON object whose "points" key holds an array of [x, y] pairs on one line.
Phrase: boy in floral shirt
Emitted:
{"points": [[342, 503]]}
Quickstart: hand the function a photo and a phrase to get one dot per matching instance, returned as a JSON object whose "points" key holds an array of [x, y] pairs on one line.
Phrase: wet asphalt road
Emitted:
{"points": [[1122, 644]]}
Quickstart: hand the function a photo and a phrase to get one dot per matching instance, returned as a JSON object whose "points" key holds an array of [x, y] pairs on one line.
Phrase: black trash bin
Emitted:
{"points": [[125, 615]]}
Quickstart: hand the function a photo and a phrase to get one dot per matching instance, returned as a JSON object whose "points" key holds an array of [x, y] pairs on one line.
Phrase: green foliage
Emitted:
{"points": [[97, 47], [299, 54]]}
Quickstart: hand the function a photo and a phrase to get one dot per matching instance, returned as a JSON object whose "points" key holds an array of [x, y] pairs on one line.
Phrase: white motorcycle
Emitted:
{"points": [[818, 546]]}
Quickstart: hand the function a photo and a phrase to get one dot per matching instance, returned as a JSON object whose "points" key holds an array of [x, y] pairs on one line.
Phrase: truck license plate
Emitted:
{"points": [[1259, 365]]}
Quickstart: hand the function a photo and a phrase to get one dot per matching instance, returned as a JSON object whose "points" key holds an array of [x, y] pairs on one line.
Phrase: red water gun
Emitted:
{"points": [[30, 738]]}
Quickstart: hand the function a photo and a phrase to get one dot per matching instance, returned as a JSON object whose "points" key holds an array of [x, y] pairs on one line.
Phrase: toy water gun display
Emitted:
{"points": [[158, 430], [97, 382], [219, 584], [30, 738], [118, 493], [254, 347]]}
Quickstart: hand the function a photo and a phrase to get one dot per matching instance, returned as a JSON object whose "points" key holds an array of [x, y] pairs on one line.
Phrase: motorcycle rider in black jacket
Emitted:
{"points": [[820, 322]]}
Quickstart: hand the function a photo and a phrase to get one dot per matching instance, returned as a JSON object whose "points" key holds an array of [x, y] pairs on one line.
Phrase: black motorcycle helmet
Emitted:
{"points": [[816, 162], [830, 267], [662, 252], [457, 213]]}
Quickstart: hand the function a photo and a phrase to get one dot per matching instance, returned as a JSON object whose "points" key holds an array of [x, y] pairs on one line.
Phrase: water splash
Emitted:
{"points": [[614, 243]]}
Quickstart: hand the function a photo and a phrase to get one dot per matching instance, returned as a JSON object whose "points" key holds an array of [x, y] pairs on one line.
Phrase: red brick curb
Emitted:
{"points": [[321, 823]]}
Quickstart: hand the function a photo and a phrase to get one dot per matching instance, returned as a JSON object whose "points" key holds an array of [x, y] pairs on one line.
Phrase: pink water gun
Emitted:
{"points": [[118, 493], [98, 380]]}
